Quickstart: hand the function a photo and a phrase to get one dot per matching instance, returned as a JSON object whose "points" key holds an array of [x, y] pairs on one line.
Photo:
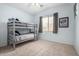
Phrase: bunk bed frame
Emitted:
{"points": [[16, 25]]}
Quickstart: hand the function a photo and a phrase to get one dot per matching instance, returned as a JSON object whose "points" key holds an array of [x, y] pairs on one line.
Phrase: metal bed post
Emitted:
{"points": [[14, 34], [7, 35], [34, 33]]}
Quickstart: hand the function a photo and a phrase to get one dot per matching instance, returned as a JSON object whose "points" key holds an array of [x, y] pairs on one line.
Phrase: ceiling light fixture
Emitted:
{"points": [[37, 5]]}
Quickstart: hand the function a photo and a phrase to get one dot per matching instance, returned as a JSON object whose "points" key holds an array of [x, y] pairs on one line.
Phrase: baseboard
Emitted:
{"points": [[55, 41]]}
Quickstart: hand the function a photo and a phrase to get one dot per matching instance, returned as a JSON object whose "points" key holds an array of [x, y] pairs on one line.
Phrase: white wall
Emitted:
{"points": [[64, 35], [77, 30], [7, 12]]}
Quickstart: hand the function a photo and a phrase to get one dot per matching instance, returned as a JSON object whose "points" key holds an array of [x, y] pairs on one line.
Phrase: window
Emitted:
{"points": [[47, 24], [50, 24]]}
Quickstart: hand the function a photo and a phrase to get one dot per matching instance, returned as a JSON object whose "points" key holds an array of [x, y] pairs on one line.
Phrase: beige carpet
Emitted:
{"points": [[39, 48]]}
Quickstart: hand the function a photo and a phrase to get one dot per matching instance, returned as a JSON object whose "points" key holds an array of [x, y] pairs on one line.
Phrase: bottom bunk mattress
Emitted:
{"points": [[25, 37]]}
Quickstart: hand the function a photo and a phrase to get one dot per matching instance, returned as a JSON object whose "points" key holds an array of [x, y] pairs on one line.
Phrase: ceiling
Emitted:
{"points": [[29, 8]]}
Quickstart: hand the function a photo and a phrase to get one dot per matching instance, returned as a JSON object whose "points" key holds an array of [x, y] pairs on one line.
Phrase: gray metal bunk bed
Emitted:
{"points": [[19, 32]]}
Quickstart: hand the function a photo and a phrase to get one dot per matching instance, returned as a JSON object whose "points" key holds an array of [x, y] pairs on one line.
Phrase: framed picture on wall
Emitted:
{"points": [[64, 22]]}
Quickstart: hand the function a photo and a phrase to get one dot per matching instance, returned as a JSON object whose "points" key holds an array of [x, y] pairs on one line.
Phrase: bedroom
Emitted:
{"points": [[51, 35]]}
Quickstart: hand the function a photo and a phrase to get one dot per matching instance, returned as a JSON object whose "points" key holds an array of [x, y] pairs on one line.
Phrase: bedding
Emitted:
{"points": [[21, 32], [25, 37], [17, 33]]}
